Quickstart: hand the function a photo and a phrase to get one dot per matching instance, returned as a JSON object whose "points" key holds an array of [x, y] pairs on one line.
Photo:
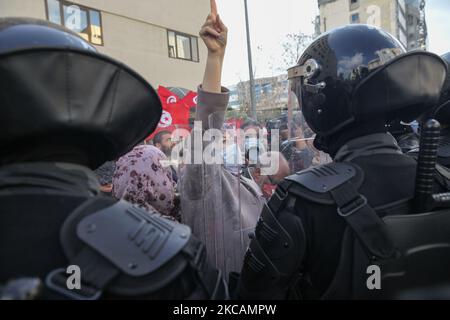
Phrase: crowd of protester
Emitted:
{"points": [[146, 176], [221, 202], [152, 177]]}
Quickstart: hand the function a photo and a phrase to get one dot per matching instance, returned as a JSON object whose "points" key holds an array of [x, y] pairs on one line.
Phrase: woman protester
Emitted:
{"points": [[142, 179]]}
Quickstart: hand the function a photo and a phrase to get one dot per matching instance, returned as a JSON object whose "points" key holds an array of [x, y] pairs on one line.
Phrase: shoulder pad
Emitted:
{"points": [[315, 183], [135, 241], [324, 178]]}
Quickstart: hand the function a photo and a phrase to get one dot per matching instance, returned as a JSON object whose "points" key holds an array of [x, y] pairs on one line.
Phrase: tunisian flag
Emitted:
{"points": [[190, 99], [175, 113]]}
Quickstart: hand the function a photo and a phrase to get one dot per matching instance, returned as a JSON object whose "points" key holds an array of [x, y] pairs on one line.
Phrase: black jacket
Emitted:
{"points": [[36, 237], [317, 229]]}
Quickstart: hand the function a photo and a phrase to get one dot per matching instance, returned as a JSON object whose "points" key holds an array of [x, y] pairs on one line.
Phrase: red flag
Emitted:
{"points": [[167, 96], [175, 113], [190, 99], [234, 123]]}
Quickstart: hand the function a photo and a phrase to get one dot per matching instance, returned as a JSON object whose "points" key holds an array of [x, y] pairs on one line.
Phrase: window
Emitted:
{"points": [[53, 11], [410, 20], [354, 18], [402, 37], [401, 20], [267, 88], [85, 21], [182, 46], [354, 4]]}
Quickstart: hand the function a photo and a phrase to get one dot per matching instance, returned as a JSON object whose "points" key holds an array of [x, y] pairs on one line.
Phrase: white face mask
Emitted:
{"points": [[251, 142], [254, 148], [232, 155]]}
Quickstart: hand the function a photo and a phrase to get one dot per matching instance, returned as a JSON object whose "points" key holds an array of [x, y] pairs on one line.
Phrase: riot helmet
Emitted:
{"points": [[359, 74], [58, 93], [442, 112]]}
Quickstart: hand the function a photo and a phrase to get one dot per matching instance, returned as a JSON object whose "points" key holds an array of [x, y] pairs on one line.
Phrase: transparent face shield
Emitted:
{"points": [[219, 203], [298, 148]]}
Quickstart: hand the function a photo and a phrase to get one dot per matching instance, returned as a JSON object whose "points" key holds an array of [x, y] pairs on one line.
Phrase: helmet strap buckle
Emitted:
{"points": [[314, 88]]}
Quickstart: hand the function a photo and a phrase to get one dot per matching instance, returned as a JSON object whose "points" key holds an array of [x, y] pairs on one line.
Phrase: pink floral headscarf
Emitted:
{"points": [[141, 179]]}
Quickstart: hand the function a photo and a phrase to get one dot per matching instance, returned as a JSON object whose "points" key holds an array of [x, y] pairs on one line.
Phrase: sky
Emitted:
{"points": [[272, 20]]}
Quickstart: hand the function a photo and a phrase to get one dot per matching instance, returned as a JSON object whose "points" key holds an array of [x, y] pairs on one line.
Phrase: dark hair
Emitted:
{"points": [[249, 123], [158, 137]]}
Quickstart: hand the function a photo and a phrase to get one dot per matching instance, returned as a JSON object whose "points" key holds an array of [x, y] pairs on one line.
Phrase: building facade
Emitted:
{"points": [[157, 38], [400, 18], [271, 95], [416, 25]]}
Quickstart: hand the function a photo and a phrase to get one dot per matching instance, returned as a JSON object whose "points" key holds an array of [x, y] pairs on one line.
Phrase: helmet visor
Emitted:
{"points": [[298, 147]]}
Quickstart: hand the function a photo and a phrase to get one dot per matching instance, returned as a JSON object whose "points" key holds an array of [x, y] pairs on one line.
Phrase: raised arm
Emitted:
{"points": [[212, 98], [214, 34]]}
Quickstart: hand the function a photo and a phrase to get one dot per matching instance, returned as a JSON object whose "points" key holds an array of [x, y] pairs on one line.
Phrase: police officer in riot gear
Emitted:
{"points": [[66, 109], [442, 114], [325, 226]]}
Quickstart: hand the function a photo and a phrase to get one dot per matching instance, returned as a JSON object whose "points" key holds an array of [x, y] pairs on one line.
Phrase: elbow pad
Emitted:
{"points": [[275, 253]]}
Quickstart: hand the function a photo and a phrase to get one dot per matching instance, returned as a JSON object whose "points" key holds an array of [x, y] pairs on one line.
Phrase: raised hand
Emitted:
{"points": [[214, 34], [213, 9]]}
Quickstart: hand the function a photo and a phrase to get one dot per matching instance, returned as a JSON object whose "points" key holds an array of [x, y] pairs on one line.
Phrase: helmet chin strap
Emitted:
{"points": [[322, 143], [332, 143]]}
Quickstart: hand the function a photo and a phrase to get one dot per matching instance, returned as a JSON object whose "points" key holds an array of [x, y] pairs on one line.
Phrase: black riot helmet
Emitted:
{"points": [[58, 95], [442, 112], [357, 74]]}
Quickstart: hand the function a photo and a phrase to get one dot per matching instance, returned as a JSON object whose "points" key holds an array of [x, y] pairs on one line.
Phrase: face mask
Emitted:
{"points": [[251, 142], [253, 149], [232, 155]]}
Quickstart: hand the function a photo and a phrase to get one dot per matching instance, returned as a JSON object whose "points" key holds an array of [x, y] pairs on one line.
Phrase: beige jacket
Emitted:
{"points": [[221, 208]]}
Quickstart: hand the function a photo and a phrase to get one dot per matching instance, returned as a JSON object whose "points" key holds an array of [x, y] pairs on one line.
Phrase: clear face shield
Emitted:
{"points": [[220, 202], [299, 148]]}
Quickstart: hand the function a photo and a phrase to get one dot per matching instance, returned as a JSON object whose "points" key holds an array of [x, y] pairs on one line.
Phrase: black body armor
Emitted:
{"points": [[121, 251], [325, 229]]}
